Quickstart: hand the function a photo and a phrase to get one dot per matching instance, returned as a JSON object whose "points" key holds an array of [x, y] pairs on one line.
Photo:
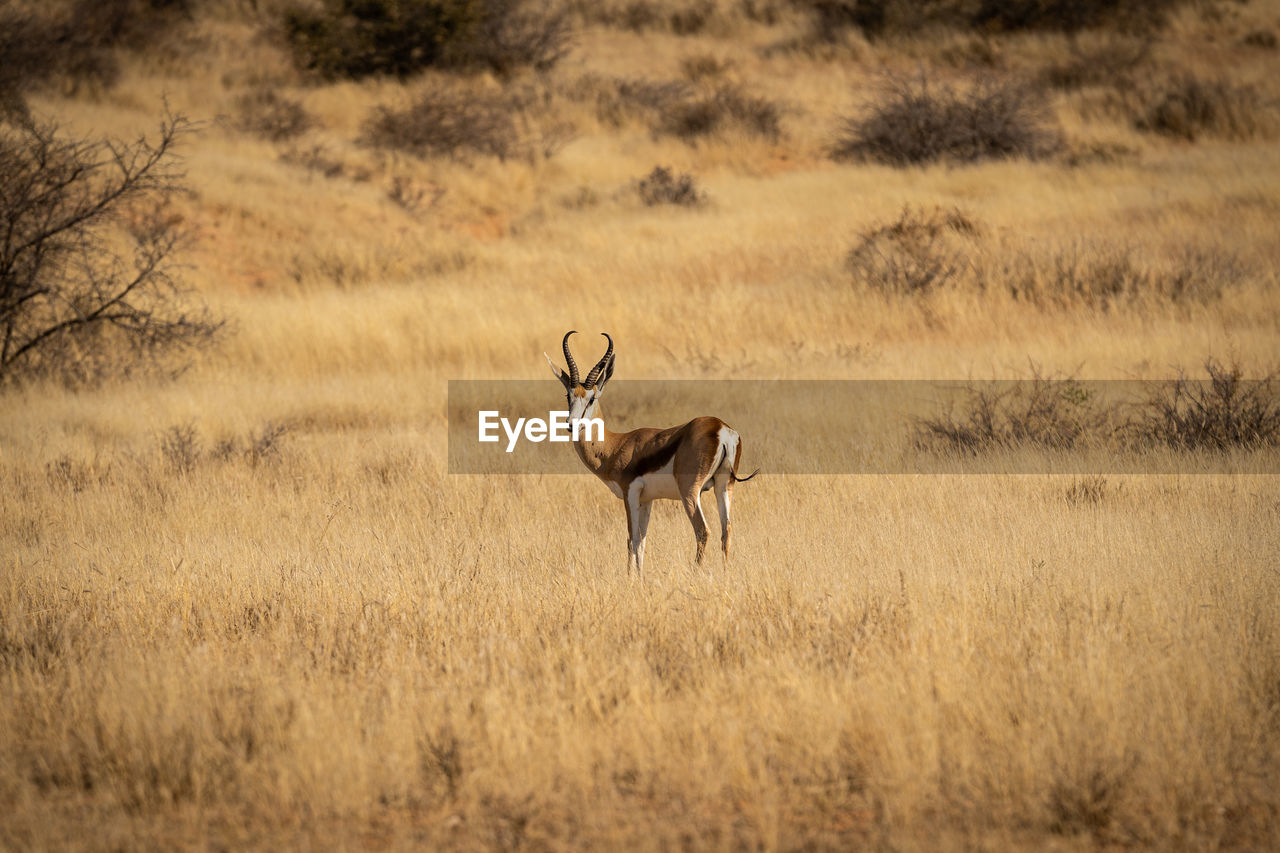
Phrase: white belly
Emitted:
{"points": [[659, 485]]}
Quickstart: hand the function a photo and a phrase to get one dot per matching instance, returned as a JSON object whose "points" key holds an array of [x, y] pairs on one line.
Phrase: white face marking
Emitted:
{"points": [[584, 406]]}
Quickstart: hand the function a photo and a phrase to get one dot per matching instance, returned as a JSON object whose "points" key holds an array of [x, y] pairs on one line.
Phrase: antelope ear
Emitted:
{"points": [[558, 373]]}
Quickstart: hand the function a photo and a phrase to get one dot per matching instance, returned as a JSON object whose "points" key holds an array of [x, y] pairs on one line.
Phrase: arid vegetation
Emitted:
{"points": [[243, 604]]}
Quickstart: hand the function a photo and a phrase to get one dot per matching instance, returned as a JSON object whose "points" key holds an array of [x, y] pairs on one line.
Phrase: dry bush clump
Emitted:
{"points": [[266, 113], [412, 196], [678, 17], [662, 186], [1265, 39], [1225, 411], [182, 448], [919, 121], [28, 57], [918, 252], [1056, 413], [704, 66], [316, 158], [1188, 108], [890, 18], [1093, 489], [514, 34], [681, 109], [1222, 412], [1088, 801], [1073, 15], [78, 41], [446, 122], [621, 99], [727, 109], [1110, 60], [1106, 276], [362, 38], [927, 249]]}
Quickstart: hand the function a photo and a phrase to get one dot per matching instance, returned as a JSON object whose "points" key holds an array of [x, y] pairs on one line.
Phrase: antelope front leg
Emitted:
{"points": [[637, 527], [631, 531], [642, 531]]}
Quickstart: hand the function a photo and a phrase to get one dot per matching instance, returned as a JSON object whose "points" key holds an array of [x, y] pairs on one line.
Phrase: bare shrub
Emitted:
{"points": [[639, 15], [1087, 802], [681, 17], [77, 41], [1048, 412], [691, 19], [1105, 276], [728, 108], [767, 12], [1188, 107], [316, 159], [920, 251], [1110, 61], [441, 756], [29, 54], [704, 66], [1096, 276], [1088, 490], [412, 196], [88, 282], [1073, 15], [267, 114], [181, 448], [678, 108], [513, 34], [1265, 39], [661, 186], [259, 446], [888, 18], [620, 99], [264, 443], [1222, 412], [360, 38], [446, 122], [67, 473], [918, 121], [830, 18]]}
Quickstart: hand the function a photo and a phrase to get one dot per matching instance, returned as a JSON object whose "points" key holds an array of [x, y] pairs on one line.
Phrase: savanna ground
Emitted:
{"points": [[244, 604]]}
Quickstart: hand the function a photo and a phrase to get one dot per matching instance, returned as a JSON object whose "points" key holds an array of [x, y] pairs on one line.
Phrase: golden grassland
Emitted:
{"points": [[212, 634]]}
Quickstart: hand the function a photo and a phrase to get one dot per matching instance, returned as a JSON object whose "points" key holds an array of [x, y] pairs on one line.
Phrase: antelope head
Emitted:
{"points": [[582, 396]]}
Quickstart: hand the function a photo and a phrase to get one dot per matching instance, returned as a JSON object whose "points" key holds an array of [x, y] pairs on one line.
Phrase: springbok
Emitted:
{"points": [[648, 464]]}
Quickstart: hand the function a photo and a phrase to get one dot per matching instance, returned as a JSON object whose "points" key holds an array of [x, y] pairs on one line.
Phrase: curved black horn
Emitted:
{"points": [[568, 358], [595, 371]]}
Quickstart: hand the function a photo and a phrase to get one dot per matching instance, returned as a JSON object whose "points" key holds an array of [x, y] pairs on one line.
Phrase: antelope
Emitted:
{"points": [[647, 464]]}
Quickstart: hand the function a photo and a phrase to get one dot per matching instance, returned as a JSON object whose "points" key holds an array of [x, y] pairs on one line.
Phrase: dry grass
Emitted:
{"points": [[246, 606]]}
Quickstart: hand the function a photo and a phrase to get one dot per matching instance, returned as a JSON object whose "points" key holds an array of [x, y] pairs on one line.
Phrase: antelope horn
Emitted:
{"points": [[600, 365], [568, 358]]}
